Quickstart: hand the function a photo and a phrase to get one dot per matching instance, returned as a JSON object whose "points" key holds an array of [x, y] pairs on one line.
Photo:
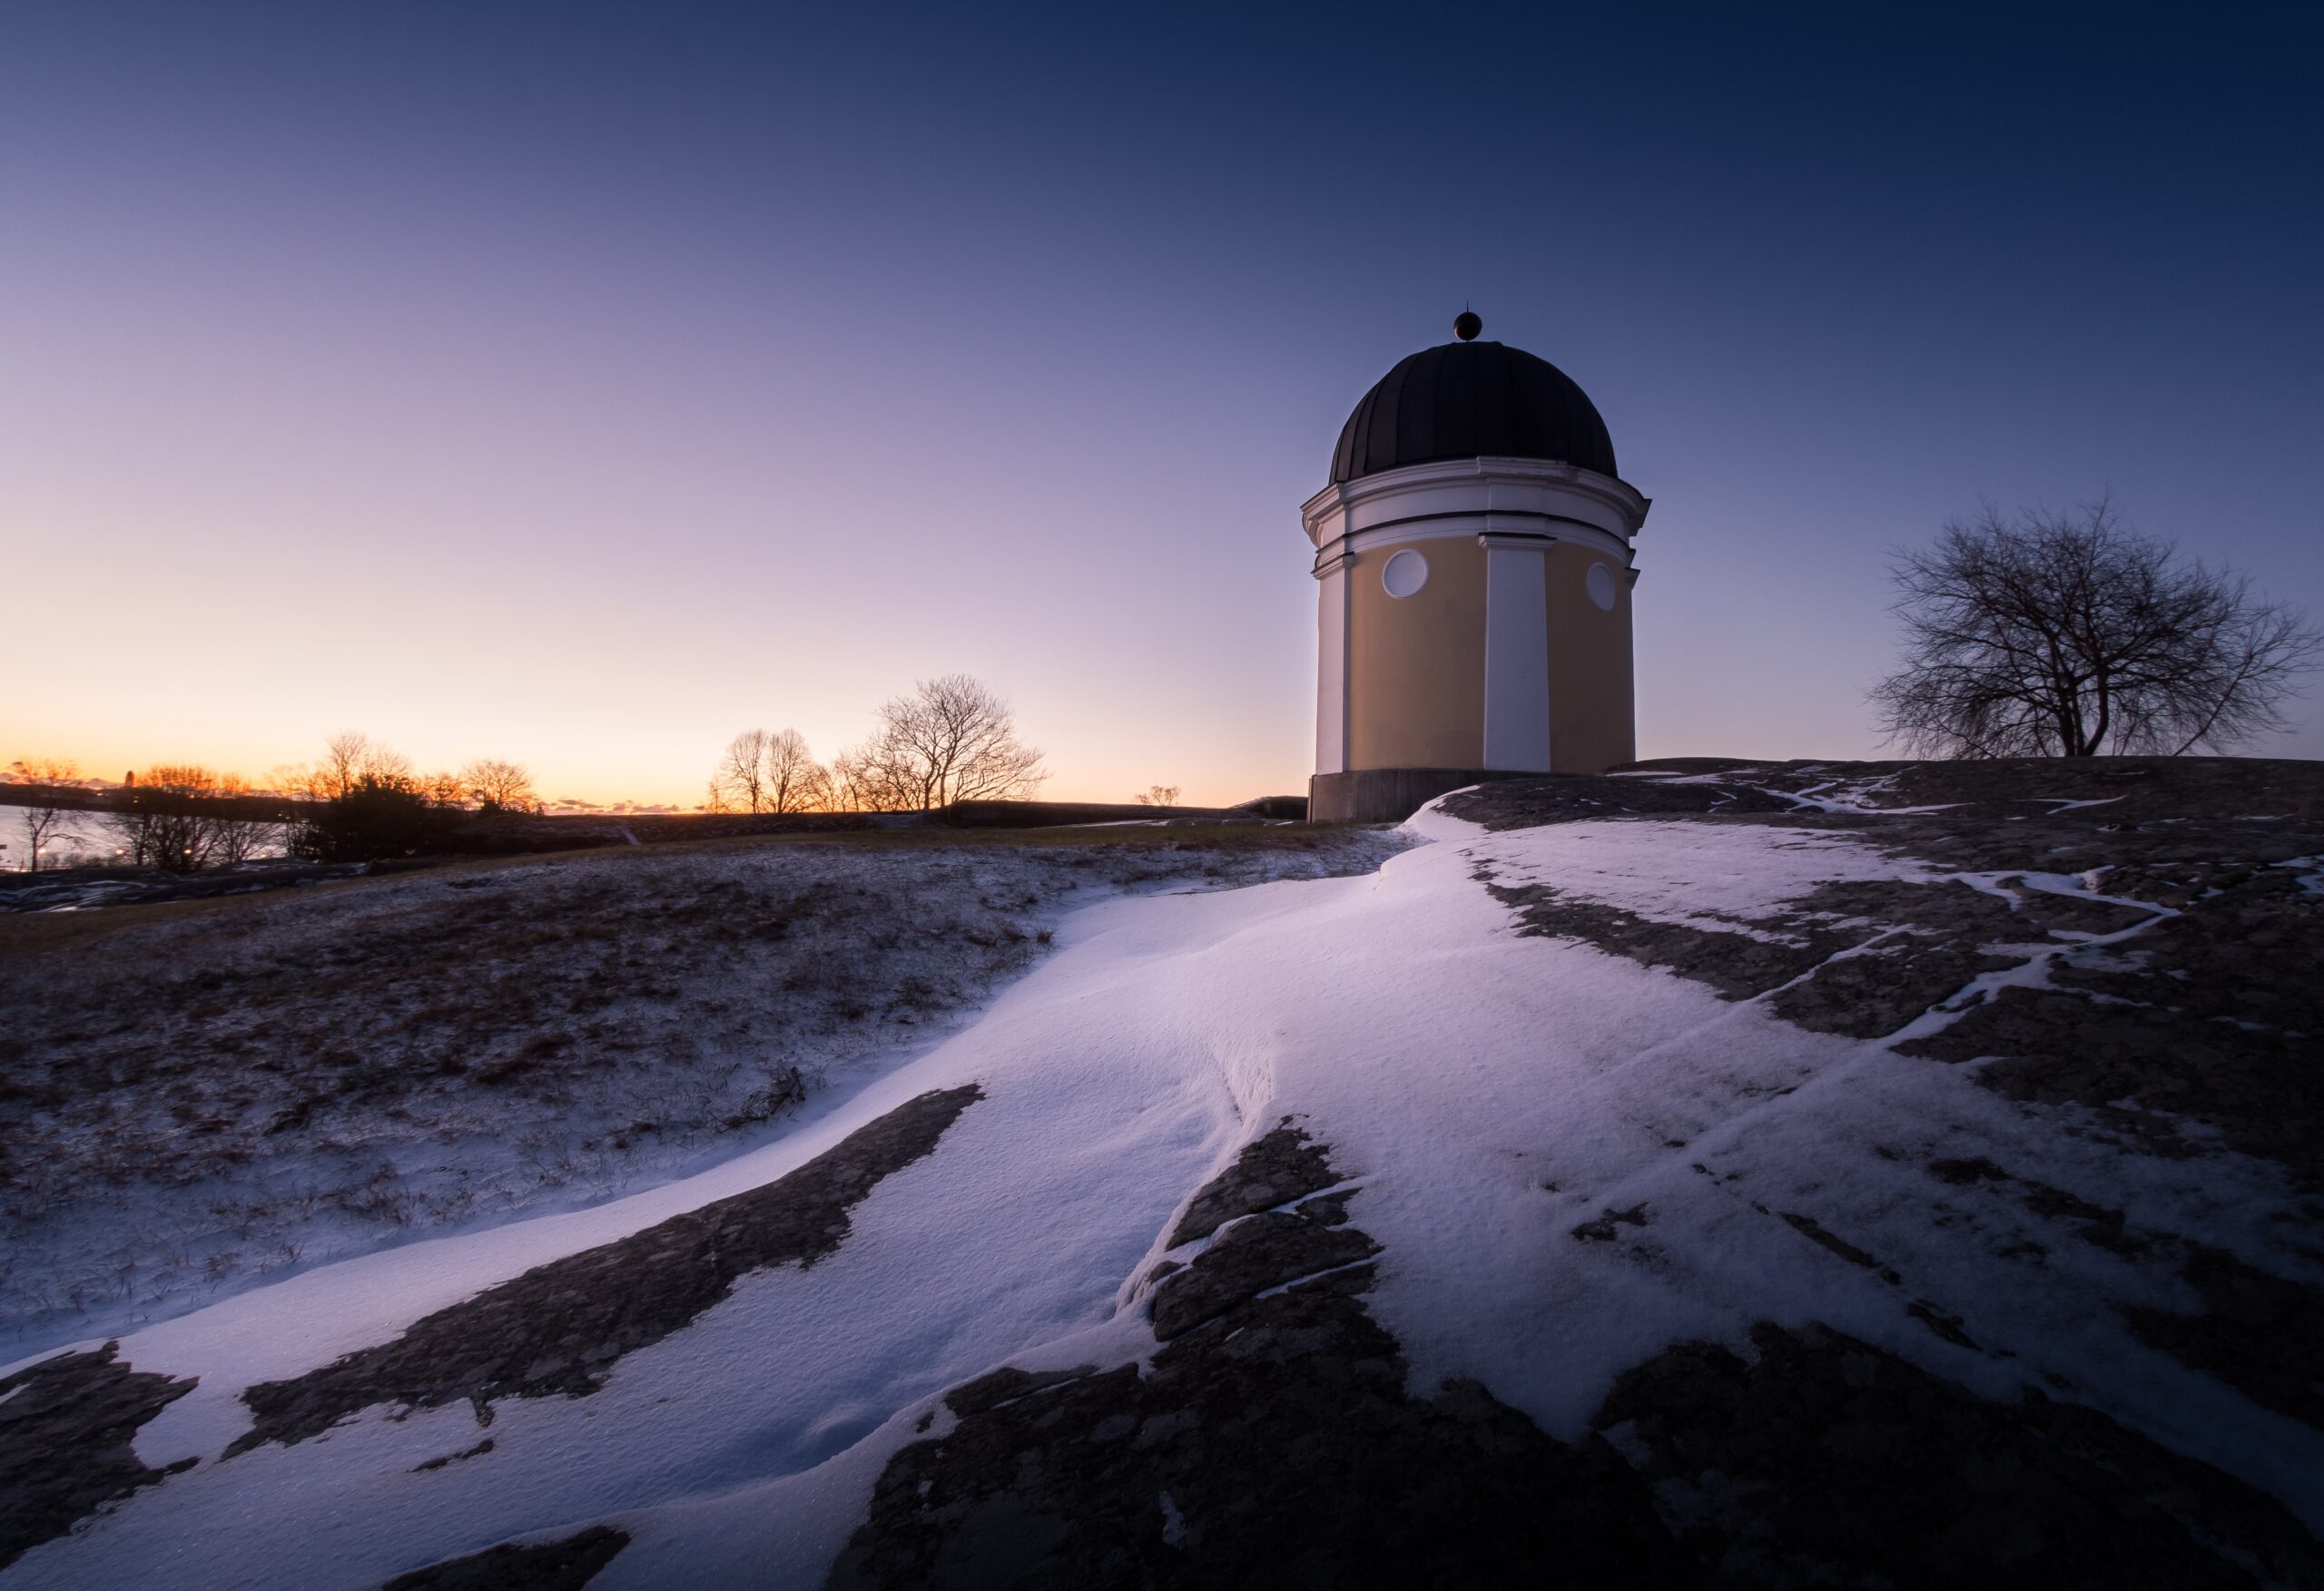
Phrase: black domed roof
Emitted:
{"points": [[1472, 400]]}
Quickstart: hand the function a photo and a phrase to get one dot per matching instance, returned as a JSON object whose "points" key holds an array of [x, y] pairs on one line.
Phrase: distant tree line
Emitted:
{"points": [[950, 740], [364, 801], [174, 816], [361, 800], [182, 817]]}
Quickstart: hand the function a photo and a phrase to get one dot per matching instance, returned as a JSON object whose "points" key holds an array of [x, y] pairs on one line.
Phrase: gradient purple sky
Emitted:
{"points": [[581, 388]]}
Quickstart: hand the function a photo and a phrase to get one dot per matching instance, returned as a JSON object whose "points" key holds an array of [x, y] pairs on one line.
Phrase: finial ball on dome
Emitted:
{"points": [[1466, 325]]}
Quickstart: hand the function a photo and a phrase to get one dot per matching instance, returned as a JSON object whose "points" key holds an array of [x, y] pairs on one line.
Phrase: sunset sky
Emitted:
{"points": [[581, 387]]}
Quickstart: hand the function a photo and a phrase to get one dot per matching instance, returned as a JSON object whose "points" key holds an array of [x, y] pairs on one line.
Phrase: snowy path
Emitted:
{"points": [[1493, 1094]]}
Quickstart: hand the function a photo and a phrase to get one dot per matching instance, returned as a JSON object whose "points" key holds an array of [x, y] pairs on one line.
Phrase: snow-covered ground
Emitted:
{"points": [[197, 1098], [1572, 1161]]}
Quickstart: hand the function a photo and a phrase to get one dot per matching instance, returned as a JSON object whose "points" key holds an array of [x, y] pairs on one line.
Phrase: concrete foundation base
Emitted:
{"points": [[1388, 795]]}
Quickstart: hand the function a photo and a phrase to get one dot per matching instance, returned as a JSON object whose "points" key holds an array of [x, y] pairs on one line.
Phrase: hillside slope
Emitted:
{"points": [[1721, 1174], [196, 1095]]}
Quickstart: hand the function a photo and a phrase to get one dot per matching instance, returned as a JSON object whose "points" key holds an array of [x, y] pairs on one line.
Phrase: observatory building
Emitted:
{"points": [[1473, 552]]}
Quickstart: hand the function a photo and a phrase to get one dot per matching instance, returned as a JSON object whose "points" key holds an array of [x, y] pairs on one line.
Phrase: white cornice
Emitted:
{"points": [[1505, 488], [1518, 527]]}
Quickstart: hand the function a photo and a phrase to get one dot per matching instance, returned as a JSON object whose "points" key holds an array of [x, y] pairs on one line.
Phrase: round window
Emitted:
{"points": [[1600, 581], [1406, 573]]}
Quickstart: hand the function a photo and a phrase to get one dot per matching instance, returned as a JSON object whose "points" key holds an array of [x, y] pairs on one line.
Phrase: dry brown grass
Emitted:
{"points": [[192, 1092]]}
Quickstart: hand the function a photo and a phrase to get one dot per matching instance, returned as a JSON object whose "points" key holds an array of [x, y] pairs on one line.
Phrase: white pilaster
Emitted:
{"points": [[1330, 666], [1517, 653]]}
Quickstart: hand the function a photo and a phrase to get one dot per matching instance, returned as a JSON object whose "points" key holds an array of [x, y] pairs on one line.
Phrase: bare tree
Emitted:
{"points": [[498, 786], [229, 838], [341, 764], [795, 781], [344, 757], [764, 772], [740, 777], [169, 820], [351, 758], [867, 779], [2068, 634], [297, 780], [386, 765], [951, 740], [1158, 795], [50, 778]]}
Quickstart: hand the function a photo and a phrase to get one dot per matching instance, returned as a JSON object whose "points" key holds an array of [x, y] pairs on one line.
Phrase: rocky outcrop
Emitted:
{"points": [[66, 1429], [2217, 1019], [1821, 1460], [548, 1566], [1274, 1169], [2156, 927], [560, 1326], [1272, 1442]]}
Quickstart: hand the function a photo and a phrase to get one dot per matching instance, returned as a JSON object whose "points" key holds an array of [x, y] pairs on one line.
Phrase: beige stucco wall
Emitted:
{"points": [[1593, 719], [1416, 665]]}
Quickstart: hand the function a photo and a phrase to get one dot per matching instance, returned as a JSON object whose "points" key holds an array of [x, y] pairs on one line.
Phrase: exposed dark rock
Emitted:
{"points": [[2199, 1026], [550, 1565], [1738, 966], [1828, 1461], [442, 1459], [2134, 790], [560, 1326], [1948, 1327], [1007, 1384], [1250, 1256], [1273, 1169], [1274, 1446], [2214, 1014], [2094, 1224], [1808, 1227], [1327, 1209], [1603, 1229], [1959, 1172], [1566, 798], [2261, 1334], [1860, 958], [2220, 1019], [1873, 993], [66, 1425]]}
